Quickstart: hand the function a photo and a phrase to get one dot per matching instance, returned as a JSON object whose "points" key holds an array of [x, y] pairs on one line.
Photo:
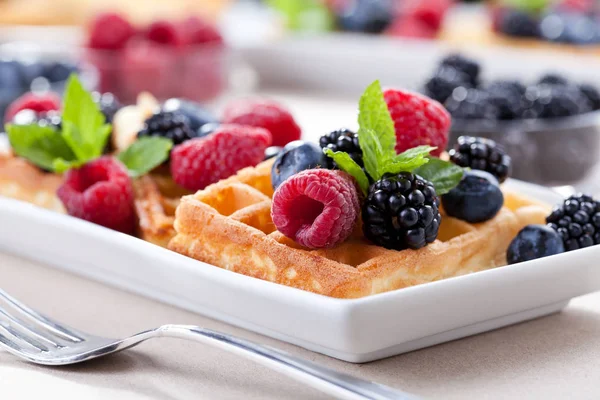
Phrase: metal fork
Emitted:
{"points": [[41, 340]]}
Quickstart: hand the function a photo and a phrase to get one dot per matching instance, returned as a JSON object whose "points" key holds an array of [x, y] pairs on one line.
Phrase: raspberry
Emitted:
{"points": [[164, 33], [316, 207], [265, 114], [430, 12], [100, 192], [418, 120], [199, 162], [197, 31], [30, 101], [146, 66], [410, 27], [110, 31]]}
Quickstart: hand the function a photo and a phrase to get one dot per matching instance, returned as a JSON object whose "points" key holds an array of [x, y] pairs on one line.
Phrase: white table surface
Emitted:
{"points": [[553, 357]]}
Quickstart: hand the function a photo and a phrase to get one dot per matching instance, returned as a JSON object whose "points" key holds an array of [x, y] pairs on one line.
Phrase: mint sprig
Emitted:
{"points": [[145, 154], [82, 138], [377, 140]]}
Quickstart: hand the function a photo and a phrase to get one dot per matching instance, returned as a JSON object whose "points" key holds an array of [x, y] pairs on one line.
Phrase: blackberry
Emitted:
{"points": [[512, 87], [469, 67], [519, 23], [592, 95], [553, 79], [342, 140], [481, 154], [401, 211], [577, 221], [441, 85], [109, 104], [172, 125], [552, 101], [471, 104]]}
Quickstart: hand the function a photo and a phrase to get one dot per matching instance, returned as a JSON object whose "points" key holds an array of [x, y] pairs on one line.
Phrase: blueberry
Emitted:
{"points": [[29, 72], [519, 23], [569, 27], [272, 151], [535, 241], [296, 156], [207, 129], [58, 71], [197, 114], [476, 198], [368, 16], [10, 75]]}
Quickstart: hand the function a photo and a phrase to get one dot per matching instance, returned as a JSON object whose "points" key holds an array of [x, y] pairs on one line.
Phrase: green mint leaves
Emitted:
{"points": [[345, 163], [145, 154], [377, 140], [42, 145], [82, 138], [84, 127], [443, 174]]}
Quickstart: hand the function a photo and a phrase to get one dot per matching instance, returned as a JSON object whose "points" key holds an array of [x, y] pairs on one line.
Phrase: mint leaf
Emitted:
{"points": [[145, 154], [347, 164], [443, 174], [39, 144], [61, 165], [83, 123], [373, 154], [374, 115], [407, 161]]}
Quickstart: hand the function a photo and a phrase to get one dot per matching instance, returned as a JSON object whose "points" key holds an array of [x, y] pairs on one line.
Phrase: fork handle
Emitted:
{"points": [[329, 381]]}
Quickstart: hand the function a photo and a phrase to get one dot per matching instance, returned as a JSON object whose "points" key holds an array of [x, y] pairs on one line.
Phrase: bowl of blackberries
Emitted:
{"points": [[550, 126], [23, 69]]}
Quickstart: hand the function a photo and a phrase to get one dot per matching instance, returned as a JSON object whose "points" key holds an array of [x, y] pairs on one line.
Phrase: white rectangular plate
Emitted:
{"points": [[358, 330]]}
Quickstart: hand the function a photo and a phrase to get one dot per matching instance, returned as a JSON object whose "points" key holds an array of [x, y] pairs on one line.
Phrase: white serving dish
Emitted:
{"points": [[357, 330]]}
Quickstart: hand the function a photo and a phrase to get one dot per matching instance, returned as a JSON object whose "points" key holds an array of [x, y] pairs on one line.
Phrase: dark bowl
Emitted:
{"points": [[550, 152]]}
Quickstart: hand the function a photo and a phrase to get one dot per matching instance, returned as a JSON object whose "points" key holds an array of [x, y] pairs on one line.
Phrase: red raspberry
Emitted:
{"points": [[100, 192], [146, 66], [316, 207], [30, 101], [164, 33], [430, 12], [418, 120], [199, 162], [110, 31], [197, 31], [410, 28], [264, 114]]}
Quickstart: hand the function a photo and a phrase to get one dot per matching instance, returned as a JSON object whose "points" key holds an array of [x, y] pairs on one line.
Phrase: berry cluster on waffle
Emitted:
{"points": [[229, 225], [126, 167], [357, 214]]}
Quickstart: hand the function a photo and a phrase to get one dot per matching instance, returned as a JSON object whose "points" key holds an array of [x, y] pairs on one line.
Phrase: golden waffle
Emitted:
{"points": [[22, 180], [156, 197], [229, 225]]}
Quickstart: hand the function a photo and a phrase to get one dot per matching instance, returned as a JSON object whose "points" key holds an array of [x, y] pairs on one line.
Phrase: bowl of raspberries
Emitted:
{"points": [[168, 58], [550, 126]]}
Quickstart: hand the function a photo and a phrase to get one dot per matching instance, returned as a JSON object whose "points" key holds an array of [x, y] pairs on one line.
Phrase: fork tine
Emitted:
{"points": [[16, 341], [53, 327], [27, 330]]}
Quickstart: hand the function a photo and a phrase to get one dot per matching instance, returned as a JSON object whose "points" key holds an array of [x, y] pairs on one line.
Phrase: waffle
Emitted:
{"points": [[156, 198], [23, 181], [228, 225]]}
